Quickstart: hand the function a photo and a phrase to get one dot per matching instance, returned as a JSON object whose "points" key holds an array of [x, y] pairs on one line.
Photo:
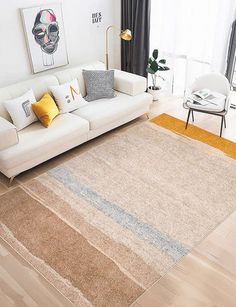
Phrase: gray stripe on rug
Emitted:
{"points": [[145, 231]]}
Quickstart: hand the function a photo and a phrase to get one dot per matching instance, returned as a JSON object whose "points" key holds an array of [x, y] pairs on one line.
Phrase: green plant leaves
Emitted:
{"points": [[150, 71], [163, 68], [155, 54], [154, 66], [162, 61]]}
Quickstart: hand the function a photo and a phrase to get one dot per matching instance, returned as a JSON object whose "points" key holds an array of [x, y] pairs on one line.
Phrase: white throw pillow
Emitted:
{"points": [[20, 110], [67, 96]]}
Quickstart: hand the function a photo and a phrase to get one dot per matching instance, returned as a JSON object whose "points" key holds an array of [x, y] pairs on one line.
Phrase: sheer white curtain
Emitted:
{"points": [[193, 35]]}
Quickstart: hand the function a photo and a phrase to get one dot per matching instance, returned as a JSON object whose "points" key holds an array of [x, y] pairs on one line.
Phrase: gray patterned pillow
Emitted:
{"points": [[99, 84]]}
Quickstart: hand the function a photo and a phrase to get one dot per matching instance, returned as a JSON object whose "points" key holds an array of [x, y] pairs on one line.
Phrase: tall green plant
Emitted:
{"points": [[154, 66]]}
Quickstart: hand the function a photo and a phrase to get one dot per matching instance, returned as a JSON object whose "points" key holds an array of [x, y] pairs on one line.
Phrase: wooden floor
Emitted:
{"points": [[21, 285], [205, 277]]}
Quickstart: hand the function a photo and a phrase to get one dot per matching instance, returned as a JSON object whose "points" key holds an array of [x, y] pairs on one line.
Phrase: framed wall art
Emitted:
{"points": [[44, 30]]}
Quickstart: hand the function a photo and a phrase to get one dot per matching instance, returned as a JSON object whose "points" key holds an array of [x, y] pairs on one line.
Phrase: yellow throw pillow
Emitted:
{"points": [[45, 109]]}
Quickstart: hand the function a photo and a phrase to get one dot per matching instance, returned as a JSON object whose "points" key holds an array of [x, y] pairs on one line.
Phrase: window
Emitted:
{"points": [[193, 35]]}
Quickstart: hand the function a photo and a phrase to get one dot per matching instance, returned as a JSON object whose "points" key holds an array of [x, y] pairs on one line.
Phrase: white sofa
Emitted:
{"points": [[20, 151]]}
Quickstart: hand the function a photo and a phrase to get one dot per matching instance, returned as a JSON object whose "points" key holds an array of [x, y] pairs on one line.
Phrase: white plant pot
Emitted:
{"points": [[155, 93]]}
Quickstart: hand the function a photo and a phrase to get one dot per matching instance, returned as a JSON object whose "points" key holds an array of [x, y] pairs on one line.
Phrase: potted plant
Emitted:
{"points": [[152, 68]]}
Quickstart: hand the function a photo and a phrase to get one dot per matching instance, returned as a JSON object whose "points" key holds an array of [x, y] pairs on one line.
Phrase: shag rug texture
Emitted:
{"points": [[106, 225]]}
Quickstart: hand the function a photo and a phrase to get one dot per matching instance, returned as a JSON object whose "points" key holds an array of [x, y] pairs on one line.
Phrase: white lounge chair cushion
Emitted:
{"points": [[210, 107]]}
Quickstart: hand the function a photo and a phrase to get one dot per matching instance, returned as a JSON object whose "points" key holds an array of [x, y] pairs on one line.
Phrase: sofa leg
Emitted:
{"points": [[10, 181], [147, 115]]}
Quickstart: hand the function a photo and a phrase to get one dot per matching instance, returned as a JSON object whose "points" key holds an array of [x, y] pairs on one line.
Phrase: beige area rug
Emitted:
{"points": [[104, 226]]}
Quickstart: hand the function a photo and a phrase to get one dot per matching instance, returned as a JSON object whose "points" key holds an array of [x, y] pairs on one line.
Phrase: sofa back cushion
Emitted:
{"points": [[38, 85], [70, 74], [41, 85]]}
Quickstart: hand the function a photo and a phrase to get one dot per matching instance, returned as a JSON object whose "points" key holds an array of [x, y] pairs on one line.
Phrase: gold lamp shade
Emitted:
{"points": [[126, 35]]}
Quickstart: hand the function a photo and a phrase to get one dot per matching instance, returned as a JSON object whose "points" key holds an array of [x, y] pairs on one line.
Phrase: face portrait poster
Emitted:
{"points": [[45, 36]]}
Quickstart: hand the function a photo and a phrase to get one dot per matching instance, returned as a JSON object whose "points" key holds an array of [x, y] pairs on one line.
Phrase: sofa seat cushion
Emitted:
{"points": [[105, 111], [35, 140]]}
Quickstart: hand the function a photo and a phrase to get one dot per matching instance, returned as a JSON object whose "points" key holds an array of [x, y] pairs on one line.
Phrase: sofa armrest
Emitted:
{"points": [[128, 83], [8, 134]]}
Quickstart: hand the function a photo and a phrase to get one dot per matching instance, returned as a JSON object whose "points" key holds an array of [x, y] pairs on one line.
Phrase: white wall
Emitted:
{"points": [[85, 42]]}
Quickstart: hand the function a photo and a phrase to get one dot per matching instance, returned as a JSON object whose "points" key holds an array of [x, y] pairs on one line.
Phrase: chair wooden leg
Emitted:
{"points": [[221, 126], [147, 115], [186, 126], [192, 116]]}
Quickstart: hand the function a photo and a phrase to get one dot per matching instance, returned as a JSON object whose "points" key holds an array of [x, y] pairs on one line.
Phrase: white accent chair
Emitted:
{"points": [[215, 82]]}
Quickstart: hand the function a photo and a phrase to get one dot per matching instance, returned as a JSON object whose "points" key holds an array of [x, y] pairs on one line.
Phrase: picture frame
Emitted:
{"points": [[45, 36]]}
